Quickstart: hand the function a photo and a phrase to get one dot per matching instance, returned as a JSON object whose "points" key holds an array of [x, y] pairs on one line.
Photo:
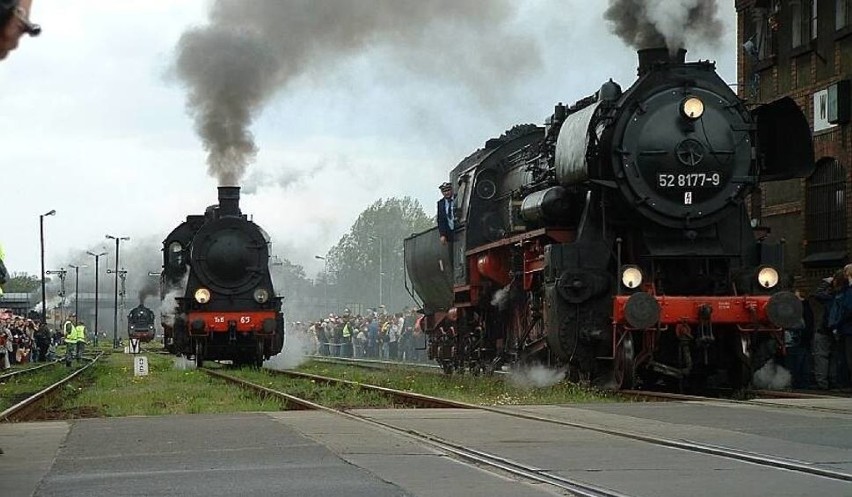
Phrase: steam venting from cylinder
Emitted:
{"points": [[664, 23], [229, 201]]}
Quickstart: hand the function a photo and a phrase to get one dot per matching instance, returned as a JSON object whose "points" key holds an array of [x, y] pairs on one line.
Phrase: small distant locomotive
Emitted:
{"points": [[614, 241], [216, 269], [140, 324]]}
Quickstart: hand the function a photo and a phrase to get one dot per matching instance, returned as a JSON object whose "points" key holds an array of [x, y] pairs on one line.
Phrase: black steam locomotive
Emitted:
{"points": [[140, 324], [615, 241], [216, 269]]}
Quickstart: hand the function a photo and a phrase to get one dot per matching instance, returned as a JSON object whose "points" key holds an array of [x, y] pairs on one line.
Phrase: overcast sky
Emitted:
{"points": [[95, 125]]}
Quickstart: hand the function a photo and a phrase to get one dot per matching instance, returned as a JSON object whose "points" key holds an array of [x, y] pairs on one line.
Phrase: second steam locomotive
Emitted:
{"points": [[614, 241], [216, 268]]}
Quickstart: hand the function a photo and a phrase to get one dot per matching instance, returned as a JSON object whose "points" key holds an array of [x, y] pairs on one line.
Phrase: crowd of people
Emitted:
{"points": [[375, 334], [24, 340], [819, 351]]}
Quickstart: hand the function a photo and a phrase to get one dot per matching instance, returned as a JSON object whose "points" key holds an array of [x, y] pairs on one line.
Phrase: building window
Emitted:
{"points": [[825, 208], [803, 20], [841, 13], [762, 44]]}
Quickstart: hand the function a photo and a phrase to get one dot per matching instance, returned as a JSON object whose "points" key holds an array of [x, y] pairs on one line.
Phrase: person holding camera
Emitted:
{"points": [[15, 23]]}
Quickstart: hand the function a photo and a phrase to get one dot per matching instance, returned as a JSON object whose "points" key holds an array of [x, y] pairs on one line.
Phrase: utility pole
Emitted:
{"points": [[97, 292], [118, 240], [123, 275], [61, 272], [41, 237], [77, 288]]}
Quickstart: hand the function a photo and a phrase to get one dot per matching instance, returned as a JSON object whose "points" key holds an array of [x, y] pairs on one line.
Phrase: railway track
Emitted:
{"points": [[763, 400], [21, 372], [23, 409], [376, 364], [487, 461], [751, 457]]}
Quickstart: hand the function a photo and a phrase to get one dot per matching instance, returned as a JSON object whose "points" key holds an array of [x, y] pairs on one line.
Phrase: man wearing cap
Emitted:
{"points": [[446, 213]]}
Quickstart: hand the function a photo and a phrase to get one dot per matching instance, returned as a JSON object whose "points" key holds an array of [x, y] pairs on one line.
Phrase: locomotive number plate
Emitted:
{"points": [[689, 180]]}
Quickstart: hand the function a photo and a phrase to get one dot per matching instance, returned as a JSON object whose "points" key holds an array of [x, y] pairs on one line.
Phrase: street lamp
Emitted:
{"points": [[118, 240], [325, 270], [41, 233], [97, 291], [123, 275], [381, 271], [77, 288], [61, 272]]}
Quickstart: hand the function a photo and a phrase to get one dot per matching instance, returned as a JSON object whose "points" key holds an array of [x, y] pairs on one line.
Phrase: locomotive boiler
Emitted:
{"points": [[216, 273], [614, 241]]}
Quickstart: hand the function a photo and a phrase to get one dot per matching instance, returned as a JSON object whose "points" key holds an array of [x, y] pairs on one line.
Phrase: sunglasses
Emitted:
{"points": [[30, 27]]}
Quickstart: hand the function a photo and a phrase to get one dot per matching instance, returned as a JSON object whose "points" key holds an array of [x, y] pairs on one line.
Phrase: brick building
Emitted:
{"points": [[803, 49]]}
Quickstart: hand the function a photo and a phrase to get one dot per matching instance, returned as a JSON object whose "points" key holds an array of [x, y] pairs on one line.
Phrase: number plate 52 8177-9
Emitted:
{"points": [[689, 180]]}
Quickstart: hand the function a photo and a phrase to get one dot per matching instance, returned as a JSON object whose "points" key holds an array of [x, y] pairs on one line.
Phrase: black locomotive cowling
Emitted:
{"points": [[230, 254], [228, 309]]}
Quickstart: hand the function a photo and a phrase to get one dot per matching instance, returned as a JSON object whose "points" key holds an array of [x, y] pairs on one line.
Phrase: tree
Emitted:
{"points": [[374, 242], [22, 283]]}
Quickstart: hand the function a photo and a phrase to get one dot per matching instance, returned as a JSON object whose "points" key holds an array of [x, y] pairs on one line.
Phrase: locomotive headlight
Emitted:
{"points": [[767, 277], [175, 247], [202, 295], [261, 295], [692, 108], [631, 277]]}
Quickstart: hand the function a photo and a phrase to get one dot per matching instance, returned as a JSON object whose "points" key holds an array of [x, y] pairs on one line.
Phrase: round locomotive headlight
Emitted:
{"points": [[261, 295], [692, 108], [767, 277], [202, 295], [175, 247], [631, 277]]}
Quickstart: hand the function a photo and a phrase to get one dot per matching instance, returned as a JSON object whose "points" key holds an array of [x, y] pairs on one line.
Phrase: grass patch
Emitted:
{"points": [[336, 396], [480, 390], [115, 391], [19, 387]]}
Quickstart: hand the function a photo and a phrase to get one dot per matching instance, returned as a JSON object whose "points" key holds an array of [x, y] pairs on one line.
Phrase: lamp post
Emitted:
{"points": [[41, 234], [77, 288], [381, 271], [118, 240], [325, 289], [61, 272], [97, 291]]}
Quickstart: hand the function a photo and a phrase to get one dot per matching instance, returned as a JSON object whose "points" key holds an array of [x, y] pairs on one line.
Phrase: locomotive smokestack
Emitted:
{"points": [[649, 57], [229, 201]]}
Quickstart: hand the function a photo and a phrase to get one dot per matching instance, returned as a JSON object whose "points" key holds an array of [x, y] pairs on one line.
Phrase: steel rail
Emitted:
{"points": [[668, 396], [407, 397], [482, 459], [28, 403], [4, 377], [715, 450]]}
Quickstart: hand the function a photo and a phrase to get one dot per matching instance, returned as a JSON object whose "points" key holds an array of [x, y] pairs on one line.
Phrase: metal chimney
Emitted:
{"points": [[650, 57], [229, 201]]}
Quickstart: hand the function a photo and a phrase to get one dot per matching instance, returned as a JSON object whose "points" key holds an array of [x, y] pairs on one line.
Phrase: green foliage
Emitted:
{"points": [[22, 283], [374, 245]]}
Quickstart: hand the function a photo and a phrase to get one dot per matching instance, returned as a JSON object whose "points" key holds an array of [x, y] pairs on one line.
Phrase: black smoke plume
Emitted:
{"points": [[251, 49], [671, 23]]}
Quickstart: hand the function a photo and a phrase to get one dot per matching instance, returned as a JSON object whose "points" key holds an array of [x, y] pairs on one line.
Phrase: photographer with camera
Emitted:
{"points": [[14, 23]]}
